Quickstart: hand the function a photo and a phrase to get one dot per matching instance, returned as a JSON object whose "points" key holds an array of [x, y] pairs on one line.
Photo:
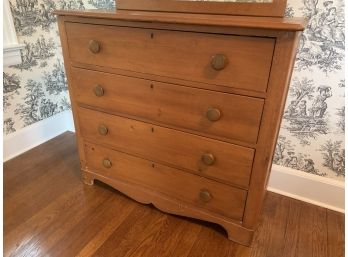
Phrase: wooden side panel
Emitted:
{"points": [[65, 48], [178, 106], [183, 55], [283, 61], [232, 163], [225, 200]]}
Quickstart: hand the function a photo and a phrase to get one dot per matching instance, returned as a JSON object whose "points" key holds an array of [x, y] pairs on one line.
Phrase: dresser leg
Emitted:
{"points": [[239, 235], [87, 178]]}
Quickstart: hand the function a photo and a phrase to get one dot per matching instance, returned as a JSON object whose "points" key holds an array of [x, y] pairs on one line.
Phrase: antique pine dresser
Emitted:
{"points": [[180, 110]]}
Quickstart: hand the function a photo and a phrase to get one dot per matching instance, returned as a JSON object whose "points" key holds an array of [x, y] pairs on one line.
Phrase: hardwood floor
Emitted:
{"points": [[48, 211]]}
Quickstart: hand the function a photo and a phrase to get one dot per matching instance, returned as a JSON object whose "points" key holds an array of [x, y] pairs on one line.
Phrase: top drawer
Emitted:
{"points": [[231, 61]]}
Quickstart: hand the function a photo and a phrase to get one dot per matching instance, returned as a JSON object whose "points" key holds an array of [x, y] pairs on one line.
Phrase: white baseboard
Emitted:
{"points": [[36, 134], [70, 124], [321, 191]]}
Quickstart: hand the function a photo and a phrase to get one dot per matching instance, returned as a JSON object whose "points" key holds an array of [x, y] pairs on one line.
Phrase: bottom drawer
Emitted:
{"points": [[192, 189]]}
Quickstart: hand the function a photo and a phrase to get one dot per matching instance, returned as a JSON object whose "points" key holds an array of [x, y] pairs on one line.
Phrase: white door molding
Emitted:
{"points": [[11, 47]]}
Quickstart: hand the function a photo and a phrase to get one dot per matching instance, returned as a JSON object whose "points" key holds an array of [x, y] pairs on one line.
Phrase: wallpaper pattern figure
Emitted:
{"points": [[36, 88], [312, 132]]}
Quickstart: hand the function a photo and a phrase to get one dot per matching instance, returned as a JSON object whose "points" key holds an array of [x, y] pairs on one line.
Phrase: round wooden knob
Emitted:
{"points": [[94, 46], [213, 114], [205, 196], [98, 91], [107, 163], [219, 61], [208, 159], [103, 130]]}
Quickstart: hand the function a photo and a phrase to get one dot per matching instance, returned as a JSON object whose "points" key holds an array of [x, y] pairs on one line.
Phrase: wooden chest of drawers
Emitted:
{"points": [[180, 111]]}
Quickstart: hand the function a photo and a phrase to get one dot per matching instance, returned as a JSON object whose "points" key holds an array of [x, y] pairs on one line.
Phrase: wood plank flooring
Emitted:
{"points": [[48, 211]]}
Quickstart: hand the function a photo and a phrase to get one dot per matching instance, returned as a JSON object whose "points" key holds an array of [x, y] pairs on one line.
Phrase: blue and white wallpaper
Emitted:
{"points": [[37, 88], [312, 132]]}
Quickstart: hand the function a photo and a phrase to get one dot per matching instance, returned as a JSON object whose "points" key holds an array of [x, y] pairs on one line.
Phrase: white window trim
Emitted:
{"points": [[11, 46]]}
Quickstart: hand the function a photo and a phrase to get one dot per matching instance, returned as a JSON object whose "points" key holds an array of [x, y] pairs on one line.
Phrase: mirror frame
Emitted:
{"points": [[272, 9]]}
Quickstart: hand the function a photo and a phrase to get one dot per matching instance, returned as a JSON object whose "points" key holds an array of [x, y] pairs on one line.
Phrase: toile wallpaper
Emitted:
{"points": [[312, 133]]}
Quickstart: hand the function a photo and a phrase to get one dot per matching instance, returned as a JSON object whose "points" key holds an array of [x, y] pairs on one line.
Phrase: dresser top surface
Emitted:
{"points": [[273, 23]]}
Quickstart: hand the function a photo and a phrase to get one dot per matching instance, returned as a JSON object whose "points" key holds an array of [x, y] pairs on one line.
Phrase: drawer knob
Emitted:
{"points": [[94, 46], [213, 114], [205, 195], [103, 130], [107, 163], [208, 159], [218, 61], [98, 91]]}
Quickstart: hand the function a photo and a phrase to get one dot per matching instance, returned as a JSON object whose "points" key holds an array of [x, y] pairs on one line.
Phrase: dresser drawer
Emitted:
{"points": [[207, 157], [179, 106], [232, 61], [219, 198]]}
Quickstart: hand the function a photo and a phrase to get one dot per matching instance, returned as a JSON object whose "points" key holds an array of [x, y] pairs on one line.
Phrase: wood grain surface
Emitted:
{"points": [[178, 54], [245, 22], [225, 200], [279, 81], [171, 105], [232, 163], [274, 8], [48, 211]]}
